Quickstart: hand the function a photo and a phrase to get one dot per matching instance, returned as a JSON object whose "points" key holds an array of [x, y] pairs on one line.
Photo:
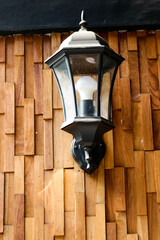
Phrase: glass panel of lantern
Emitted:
{"points": [[64, 82], [85, 75], [109, 69]]}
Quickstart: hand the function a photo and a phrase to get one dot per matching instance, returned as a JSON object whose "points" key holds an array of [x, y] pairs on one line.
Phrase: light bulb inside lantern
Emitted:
{"points": [[86, 86]]}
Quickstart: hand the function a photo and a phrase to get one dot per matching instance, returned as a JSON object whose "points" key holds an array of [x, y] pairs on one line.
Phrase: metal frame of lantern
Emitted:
{"points": [[87, 147]]}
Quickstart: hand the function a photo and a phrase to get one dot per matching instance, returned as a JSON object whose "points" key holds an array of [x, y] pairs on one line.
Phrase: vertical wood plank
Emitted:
{"points": [[29, 126], [110, 203], [19, 175], [69, 226], [150, 172], [124, 67], [57, 102], [1, 201], [157, 173], [39, 223], [18, 216], [57, 139], [29, 228], [29, 73], [140, 183], [121, 226], [46, 49], [100, 183], [48, 197], [131, 201], [19, 136], [132, 237], [143, 65], [19, 79], [111, 231], [147, 122], [137, 126], [117, 139], [151, 46], [156, 129], [19, 45], [9, 59], [68, 161], [119, 182], [132, 41], [2, 143], [79, 179], [123, 151], [58, 202], [37, 48], [48, 144], [39, 135], [48, 232], [38, 181], [126, 103], [2, 96], [29, 185], [113, 41], [62, 155], [90, 223], [134, 74], [116, 94], [158, 41], [128, 148], [109, 155], [90, 187], [100, 228], [154, 83], [9, 108], [38, 88], [2, 47], [8, 232], [142, 227], [47, 94], [80, 231], [123, 142], [153, 223], [158, 218], [9, 153], [55, 43], [9, 199], [69, 189], [158, 69]]}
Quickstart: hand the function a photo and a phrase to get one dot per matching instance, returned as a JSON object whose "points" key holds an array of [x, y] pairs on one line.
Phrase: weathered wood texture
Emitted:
{"points": [[44, 195]]}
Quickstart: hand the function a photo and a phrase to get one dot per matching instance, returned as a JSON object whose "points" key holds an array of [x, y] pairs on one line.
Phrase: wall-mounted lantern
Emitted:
{"points": [[85, 68]]}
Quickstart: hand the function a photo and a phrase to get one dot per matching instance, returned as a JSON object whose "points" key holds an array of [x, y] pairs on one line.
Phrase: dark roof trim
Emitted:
{"points": [[45, 16]]}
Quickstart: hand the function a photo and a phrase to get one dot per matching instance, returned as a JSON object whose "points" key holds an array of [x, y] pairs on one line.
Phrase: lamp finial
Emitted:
{"points": [[83, 22]]}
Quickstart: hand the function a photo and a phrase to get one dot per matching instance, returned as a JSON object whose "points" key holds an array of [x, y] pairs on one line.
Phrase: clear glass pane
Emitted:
{"points": [[85, 73], [108, 69], [66, 89]]}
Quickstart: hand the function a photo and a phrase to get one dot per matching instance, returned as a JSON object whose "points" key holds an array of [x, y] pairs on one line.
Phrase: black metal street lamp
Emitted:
{"points": [[85, 68]]}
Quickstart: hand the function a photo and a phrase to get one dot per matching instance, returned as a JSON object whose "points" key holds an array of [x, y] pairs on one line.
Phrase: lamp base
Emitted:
{"points": [[87, 158]]}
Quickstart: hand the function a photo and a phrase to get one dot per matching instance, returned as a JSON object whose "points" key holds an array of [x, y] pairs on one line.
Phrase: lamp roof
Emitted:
{"points": [[83, 39]]}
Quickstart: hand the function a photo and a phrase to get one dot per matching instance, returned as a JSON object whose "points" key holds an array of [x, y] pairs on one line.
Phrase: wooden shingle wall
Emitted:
{"points": [[43, 193]]}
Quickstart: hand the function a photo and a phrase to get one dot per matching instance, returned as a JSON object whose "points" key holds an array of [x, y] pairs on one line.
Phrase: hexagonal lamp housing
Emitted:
{"points": [[85, 68]]}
